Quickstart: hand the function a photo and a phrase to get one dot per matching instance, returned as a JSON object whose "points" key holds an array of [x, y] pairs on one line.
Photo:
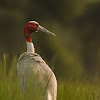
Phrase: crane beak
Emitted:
{"points": [[42, 29]]}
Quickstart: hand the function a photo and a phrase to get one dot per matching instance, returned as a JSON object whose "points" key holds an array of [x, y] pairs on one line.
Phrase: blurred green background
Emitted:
{"points": [[73, 53]]}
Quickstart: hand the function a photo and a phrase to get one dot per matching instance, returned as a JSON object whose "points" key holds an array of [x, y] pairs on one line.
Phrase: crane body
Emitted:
{"points": [[33, 71]]}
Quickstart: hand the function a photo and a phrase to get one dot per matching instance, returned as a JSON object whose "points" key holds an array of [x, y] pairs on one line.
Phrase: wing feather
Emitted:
{"points": [[32, 69]]}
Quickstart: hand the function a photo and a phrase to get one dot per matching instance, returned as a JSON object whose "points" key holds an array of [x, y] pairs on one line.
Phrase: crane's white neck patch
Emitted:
{"points": [[30, 47]]}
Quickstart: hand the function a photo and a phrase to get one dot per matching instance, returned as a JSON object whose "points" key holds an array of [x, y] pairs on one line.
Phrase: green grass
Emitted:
{"points": [[70, 90]]}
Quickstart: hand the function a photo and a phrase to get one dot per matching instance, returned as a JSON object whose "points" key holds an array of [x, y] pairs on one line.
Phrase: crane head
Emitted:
{"points": [[33, 26]]}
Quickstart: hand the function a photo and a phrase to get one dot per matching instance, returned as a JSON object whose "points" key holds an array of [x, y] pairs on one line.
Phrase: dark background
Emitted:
{"points": [[74, 52]]}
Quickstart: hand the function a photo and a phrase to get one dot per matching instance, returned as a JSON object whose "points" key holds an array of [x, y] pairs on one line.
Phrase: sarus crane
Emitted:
{"points": [[33, 72]]}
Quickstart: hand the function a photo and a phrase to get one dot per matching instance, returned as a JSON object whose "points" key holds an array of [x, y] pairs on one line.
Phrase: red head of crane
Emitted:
{"points": [[33, 26], [32, 67]]}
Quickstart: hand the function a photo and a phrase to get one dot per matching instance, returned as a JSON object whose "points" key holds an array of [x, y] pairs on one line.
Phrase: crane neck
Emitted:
{"points": [[27, 35], [30, 47]]}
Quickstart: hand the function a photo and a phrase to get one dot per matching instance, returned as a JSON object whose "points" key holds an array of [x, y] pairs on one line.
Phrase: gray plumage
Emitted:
{"points": [[34, 72]]}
